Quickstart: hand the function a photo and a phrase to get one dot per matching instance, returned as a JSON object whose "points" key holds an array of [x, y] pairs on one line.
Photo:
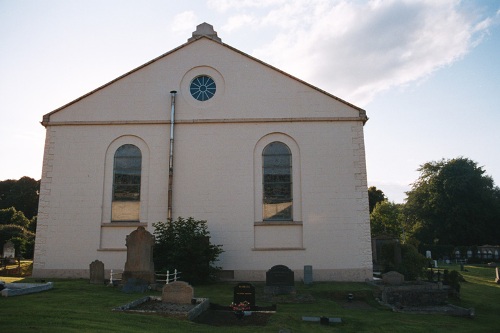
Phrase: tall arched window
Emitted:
{"points": [[126, 183], [277, 182]]}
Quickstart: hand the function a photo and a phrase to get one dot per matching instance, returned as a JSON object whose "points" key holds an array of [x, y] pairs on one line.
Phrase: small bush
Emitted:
{"points": [[185, 245], [454, 279], [412, 264]]}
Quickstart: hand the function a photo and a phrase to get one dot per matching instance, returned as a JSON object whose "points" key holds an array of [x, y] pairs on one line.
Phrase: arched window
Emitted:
{"points": [[127, 169], [277, 182], [127, 173]]}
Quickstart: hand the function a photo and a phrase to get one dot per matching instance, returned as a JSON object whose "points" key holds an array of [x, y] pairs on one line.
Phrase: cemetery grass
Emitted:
{"points": [[77, 306]]}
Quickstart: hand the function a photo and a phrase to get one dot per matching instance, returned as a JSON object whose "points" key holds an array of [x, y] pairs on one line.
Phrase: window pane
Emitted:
{"points": [[127, 173], [277, 182]]}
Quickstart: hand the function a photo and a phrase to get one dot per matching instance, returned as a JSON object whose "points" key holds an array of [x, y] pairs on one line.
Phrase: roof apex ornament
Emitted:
{"points": [[206, 30]]}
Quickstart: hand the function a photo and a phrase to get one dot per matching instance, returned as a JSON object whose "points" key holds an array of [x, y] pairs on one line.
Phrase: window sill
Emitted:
{"points": [[274, 223], [279, 249], [123, 224]]}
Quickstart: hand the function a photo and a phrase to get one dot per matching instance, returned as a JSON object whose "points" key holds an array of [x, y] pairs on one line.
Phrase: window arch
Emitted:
{"points": [[277, 182], [127, 173], [126, 185]]}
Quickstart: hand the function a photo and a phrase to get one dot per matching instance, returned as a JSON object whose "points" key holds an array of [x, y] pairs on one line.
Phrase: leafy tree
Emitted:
{"points": [[185, 245], [386, 219], [23, 239], [375, 196], [21, 194], [12, 216], [454, 202], [14, 226]]}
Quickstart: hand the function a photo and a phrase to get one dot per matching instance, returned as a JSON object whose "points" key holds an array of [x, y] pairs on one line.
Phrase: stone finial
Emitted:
{"points": [[207, 30]]}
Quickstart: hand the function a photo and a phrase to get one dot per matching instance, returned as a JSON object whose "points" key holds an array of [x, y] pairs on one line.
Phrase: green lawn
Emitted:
{"points": [[77, 306]]}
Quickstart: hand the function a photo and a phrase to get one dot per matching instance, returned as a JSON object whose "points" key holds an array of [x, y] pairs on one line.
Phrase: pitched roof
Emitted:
{"points": [[206, 31]]}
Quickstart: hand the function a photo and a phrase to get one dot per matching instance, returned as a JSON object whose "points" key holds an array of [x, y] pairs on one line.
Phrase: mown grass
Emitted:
{"points": [[77, 306]]}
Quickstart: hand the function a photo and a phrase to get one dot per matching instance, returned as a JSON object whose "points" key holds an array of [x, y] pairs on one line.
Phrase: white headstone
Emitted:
{"points": [[9, 251], [428, 254]]}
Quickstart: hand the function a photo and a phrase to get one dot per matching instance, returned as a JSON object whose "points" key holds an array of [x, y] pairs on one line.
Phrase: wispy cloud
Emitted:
{"points": [[184, 22], [357, 49]]}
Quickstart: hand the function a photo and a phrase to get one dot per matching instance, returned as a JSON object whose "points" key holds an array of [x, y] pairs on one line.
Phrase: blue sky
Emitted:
{"points": [[426, 72]]}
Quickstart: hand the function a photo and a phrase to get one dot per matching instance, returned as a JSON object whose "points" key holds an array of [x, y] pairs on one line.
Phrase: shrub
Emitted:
{"points": [[412, 264], [454, 279], [185, 245]]}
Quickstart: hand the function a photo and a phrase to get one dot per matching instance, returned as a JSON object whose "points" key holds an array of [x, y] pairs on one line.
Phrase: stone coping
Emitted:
{"points": [[181, 311], [17, 289]]}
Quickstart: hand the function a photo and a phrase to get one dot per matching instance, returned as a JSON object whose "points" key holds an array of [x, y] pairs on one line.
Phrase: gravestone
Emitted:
{"points": [[9, 251], [308, 274], [139, 265], [178, 292], [96, 269], [428, 254], [244, 292], [393, 278], [279, 280]]}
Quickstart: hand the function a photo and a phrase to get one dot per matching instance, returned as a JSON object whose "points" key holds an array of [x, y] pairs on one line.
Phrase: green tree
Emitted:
{"points": [[386, 219], [185, 245], [454, 202], [23, 239], [375, 196], [13, 216], [14, 226], [21, 194]]}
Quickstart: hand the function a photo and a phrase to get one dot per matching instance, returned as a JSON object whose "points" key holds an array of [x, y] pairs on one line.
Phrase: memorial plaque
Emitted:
{"points": [[244, 292]]}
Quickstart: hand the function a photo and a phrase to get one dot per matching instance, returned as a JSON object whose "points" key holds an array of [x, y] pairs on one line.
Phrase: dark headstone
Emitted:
{"points": [[393, 278], [96, 269], [280, 280], [308, 274], [139, 263], [244, 292]]}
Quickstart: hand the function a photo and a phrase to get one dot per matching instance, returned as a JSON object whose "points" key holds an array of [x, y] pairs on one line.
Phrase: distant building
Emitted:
{"points": [[275, 165]]}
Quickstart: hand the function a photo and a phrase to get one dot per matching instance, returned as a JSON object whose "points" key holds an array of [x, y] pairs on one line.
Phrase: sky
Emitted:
{"points": [[427, 72]]}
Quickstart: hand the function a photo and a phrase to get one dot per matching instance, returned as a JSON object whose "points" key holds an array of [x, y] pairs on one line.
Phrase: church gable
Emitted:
{"points": [[244, 88]]}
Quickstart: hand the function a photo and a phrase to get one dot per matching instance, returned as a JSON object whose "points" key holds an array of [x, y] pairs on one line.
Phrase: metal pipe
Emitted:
{"points": [[171, 155]]}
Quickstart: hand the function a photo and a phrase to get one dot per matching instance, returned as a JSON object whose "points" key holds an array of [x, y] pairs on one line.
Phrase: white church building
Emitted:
{"points": [[274, 165]]}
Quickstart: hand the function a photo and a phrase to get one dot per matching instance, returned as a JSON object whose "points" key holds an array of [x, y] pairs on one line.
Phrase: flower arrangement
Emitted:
{"points": [[242, 306]]}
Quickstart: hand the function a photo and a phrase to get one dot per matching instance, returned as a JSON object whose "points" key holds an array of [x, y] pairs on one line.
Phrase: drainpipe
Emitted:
{"points": [[171, 156]]}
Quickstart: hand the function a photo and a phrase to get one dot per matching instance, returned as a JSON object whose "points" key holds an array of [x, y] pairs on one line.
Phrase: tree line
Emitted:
{"points": [[452, 203], [18, 211]]}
